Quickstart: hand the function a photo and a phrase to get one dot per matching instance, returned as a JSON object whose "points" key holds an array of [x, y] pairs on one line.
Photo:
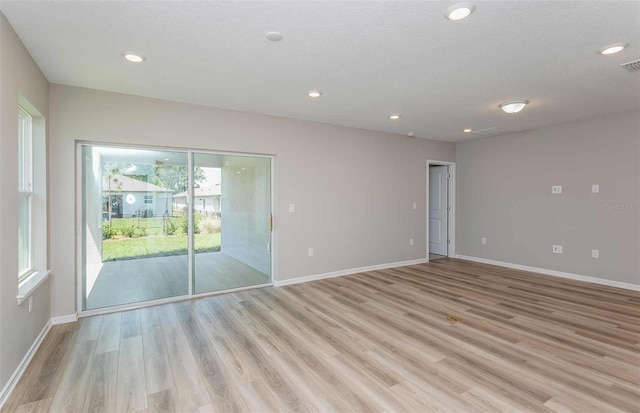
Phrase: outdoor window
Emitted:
{"points": [[25, 194], [148, 199]]}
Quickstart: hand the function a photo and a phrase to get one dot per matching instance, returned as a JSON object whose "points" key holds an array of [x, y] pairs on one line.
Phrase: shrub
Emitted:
{"points": [[196, 222], [141, 231], [108, 232], [171, 228], [128, 231], [209, 225]]}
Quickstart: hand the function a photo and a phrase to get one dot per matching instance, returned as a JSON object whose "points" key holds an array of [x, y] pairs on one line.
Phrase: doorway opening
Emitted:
{"points": [[440, 210]]}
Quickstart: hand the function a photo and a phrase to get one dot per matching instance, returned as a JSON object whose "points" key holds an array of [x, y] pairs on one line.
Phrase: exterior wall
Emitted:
{"points": [[161, 202], [246, 210]]}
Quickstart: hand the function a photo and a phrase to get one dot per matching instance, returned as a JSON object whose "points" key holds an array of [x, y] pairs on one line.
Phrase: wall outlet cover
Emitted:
{"points": [[556, 189], [595, 253], [484, 240], [557, 249], [595, 189]]}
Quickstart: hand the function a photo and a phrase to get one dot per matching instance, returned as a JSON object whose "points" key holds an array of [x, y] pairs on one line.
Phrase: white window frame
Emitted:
{"points": [[25, 184], [147, 199]]}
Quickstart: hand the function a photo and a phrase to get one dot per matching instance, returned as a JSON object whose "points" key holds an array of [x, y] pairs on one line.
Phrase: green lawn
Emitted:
{"points": [[152, 246]]}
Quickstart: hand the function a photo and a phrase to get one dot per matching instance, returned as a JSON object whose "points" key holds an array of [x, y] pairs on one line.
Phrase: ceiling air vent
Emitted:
{"points": [[489, 131], [632, 66]]}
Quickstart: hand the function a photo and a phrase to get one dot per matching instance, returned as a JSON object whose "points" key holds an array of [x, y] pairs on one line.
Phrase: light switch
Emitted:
{"points": [[595, 253], [484, 240], [415, 205], [311, 252], [595, 189], [556, 189], [292, 208]]}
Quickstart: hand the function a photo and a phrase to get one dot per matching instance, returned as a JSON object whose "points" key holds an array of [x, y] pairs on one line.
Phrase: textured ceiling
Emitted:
{"points": [[370, 59]]}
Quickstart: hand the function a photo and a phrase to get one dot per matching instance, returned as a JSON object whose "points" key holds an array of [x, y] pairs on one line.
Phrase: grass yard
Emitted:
{"points": [[160, 246]]}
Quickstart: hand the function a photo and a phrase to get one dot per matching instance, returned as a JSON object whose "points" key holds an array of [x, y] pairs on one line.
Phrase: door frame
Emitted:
{"points": [[451, 218], [80, 234]]}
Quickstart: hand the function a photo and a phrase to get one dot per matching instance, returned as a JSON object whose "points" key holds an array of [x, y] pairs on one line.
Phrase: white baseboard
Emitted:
{"points": [[69, 318], [570, 276], [15, 377], [347, 272]]}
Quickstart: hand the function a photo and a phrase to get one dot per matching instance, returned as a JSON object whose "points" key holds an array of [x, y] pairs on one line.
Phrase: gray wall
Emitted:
{"points": [[504, 194], [353, 189], [19, 78]]}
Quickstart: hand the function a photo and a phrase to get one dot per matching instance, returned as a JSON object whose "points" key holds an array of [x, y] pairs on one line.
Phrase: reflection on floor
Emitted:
{"points": [[436, 257], [132, 281]]}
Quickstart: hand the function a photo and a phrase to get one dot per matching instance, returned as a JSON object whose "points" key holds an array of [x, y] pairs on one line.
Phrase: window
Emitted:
{"points": [[25, 194], [148, 199]]}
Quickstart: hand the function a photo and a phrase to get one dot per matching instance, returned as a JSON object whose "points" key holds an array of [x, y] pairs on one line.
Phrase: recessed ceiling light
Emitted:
{"points": [[459, 11], [613, 48], [274, 36], [314, 93], [394, 117], [513, 106], [133, 57], [467, 130]]}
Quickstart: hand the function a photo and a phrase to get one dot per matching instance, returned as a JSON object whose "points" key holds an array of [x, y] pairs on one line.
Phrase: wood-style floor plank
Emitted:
{"points": [[370, 342]]}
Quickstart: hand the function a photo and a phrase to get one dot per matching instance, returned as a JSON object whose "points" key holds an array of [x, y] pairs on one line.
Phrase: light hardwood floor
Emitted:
{"points": [[371, 342]]}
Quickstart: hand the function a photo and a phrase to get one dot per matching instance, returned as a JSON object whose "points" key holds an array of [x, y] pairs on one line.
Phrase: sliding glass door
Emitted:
{"points": [[232, 221], [148, 214]]}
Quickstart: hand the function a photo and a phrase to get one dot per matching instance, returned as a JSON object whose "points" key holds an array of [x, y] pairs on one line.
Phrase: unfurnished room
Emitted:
{"points": [[319, 206]]}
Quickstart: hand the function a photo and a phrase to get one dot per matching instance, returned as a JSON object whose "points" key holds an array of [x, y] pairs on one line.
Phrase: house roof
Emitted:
{"points": [[213, 190], [127, 184]]}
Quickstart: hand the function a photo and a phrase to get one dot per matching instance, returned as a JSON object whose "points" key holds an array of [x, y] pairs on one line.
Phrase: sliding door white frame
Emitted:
{"points": [[80, 233]]}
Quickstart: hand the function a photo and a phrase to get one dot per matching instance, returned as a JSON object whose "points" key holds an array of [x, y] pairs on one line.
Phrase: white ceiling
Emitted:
{"points": [[370, 59]]}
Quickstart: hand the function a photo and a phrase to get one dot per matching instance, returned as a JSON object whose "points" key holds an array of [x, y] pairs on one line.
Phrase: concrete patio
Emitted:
{"points": [[132, 281]]}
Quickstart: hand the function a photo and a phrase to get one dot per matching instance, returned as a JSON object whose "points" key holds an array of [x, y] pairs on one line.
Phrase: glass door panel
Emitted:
{"points": [[232, 221], [134, 220]]}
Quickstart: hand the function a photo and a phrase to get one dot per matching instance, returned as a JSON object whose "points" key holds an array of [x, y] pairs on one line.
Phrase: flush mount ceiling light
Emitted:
{"points": [[467, 130], [613, 48], [459, 11], [314, 93], [133, 57], [513, 106], [274, 36], [394, 117]]}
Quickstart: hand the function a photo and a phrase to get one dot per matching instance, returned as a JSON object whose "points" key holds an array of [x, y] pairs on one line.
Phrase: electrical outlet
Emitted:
{"points": [[557, 249], [311, 252], [415, 205], [30, 304], [595, 189], [410, 241], [595, 253], [484, 240], [556, 189], [292, 208]]}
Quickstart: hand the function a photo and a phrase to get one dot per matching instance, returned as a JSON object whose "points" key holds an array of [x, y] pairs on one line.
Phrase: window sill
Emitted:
{"points": [[27, 287]]}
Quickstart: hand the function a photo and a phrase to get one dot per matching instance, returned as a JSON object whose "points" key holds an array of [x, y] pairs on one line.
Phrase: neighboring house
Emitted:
{"points": [[205, 200], [133, 197]]}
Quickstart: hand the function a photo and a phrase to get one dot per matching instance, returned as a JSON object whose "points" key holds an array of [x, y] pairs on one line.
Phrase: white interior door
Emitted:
{"points": [[438, 209]]}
